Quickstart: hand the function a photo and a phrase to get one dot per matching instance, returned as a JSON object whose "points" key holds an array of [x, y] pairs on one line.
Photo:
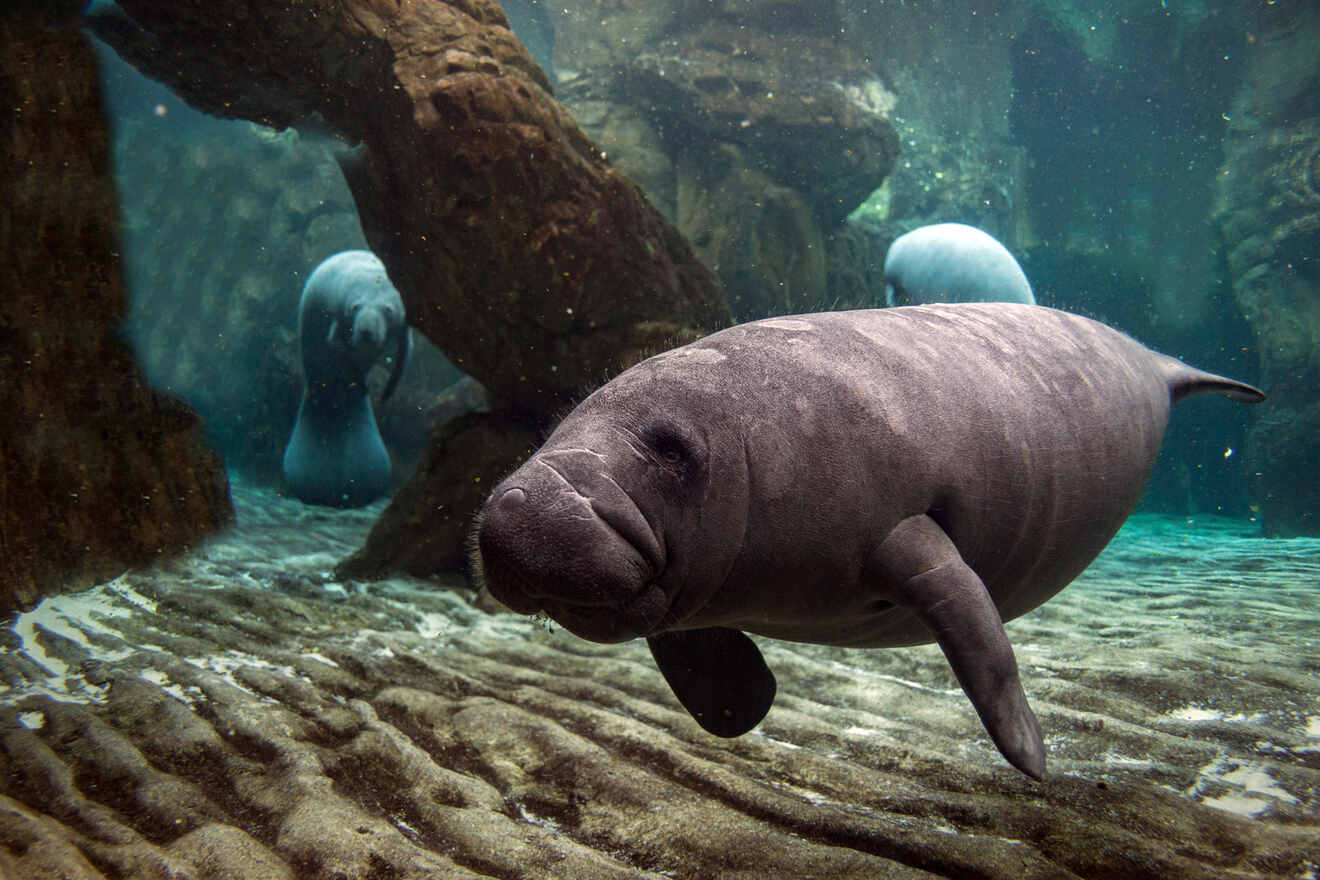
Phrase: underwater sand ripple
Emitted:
{"points": [[243, 705]]}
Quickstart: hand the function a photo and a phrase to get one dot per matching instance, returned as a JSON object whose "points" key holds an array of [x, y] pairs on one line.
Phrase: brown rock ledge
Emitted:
{"points": [[532, 264]]}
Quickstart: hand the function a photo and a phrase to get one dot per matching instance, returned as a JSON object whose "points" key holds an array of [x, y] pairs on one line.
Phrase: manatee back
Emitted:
{"points": [[952, 262], [1027, 433]]}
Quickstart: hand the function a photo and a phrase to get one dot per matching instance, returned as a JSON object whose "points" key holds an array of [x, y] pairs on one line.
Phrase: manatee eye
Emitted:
{"points": [[670, 446], [678, 455]]}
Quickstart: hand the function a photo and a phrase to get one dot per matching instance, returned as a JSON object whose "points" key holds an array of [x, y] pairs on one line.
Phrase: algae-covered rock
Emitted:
{"points": [[755, 128], [97, 471], [1268, 212]]}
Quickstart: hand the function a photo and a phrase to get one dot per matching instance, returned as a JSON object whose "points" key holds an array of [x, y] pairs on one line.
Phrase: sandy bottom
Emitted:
{"points": [[240, 713]]}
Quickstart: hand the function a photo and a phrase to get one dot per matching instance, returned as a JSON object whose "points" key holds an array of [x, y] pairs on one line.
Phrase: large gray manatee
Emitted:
{"points": [[952, 262], [349, 316], [868, 479]]}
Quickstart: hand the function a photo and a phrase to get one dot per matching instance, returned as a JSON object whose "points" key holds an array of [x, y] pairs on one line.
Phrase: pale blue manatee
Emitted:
{"points": [[952, 262], [349, 316]]}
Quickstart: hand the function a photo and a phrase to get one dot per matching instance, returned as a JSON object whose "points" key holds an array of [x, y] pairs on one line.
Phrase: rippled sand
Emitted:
{"points": [[239, 713]]}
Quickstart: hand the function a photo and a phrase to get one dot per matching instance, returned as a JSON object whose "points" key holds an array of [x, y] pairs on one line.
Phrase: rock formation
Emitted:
{"points": [[222, 222], [756, 130], [97, 471], [518, 250], [1268, 213]]}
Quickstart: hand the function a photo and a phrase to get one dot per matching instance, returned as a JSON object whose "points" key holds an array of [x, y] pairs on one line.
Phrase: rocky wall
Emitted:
{"points": [[97, 471], [752, 125], [1268, 213], [951, 73]]}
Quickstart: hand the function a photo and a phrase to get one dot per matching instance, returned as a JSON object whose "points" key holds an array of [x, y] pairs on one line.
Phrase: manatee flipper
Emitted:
{"points": [[927, 575], [334, 331], [718, 675], [400, 361]]}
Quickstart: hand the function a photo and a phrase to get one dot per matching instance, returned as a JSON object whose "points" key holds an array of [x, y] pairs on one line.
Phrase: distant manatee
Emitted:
{"points": [[952, 262], [348, 317]]}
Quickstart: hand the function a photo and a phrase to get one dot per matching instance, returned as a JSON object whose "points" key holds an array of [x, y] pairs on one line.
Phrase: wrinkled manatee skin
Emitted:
{"points": [[874, 478], [348, 317], [952, 262]]}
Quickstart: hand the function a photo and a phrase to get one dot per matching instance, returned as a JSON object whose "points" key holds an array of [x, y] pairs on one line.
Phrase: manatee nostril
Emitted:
{"points": [[511, 498]]}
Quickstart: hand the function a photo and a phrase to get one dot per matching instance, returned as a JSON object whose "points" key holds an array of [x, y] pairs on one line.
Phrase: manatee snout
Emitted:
{"points": [[573, 545], [366, 340], [369, 329]]}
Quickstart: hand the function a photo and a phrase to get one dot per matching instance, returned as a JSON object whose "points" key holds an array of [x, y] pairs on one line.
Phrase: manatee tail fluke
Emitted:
{"points": [[1185, 381]]}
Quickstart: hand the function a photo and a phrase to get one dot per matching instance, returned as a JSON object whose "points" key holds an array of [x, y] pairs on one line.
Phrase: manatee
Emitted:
{"points": [[868, 479], [349, 316], [952, 262]]}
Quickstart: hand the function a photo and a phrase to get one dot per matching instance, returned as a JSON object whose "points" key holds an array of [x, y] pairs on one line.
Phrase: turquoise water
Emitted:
{"points": [[242, 710], [1101, 148]]}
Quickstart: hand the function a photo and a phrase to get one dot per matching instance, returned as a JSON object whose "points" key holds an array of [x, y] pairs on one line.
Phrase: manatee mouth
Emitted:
{"points": [[645, 615], [565, 539]]}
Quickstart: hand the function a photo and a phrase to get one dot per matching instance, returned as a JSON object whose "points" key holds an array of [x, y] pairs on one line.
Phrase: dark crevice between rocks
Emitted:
{"points": [[247, 744], [641, 859], [48, 794], [103, 859], [103, 773]]}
